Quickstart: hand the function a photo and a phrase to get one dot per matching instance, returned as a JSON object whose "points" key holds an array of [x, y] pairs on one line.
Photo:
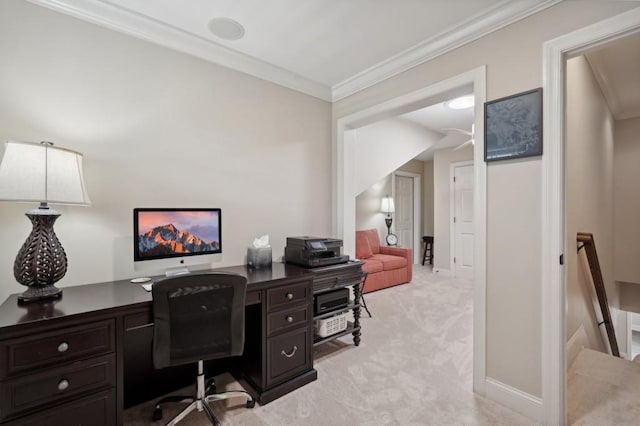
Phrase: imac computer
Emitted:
{"points": [[175, 238]]}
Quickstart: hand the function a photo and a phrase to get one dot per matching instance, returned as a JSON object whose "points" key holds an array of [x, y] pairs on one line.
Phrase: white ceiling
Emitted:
{"points": [[327, 49], [439, 117], [616, 67], [331, 50]]}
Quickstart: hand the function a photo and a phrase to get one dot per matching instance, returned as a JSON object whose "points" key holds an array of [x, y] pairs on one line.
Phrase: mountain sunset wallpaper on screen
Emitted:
{"points": [[165, 233]]}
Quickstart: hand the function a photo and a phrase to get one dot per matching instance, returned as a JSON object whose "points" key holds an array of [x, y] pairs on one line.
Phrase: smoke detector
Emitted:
{"points": [[226, 28]]}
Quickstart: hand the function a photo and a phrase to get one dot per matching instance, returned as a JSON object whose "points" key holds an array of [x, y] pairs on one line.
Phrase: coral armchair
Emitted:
{"points": [[387, 266]]}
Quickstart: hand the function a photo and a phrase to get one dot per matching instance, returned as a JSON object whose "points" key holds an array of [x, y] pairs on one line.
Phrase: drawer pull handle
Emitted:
{"points": [[63, 385], [290, 296], [289, 319], [293, 352], [63, 347]]}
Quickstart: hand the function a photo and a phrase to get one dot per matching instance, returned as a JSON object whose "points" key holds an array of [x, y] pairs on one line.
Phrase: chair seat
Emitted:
{"points": [[428, 248]]}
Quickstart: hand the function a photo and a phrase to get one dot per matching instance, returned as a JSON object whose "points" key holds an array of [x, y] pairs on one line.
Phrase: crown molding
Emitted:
{"points": [[116, 18], [605, 87], [125, 21], [490, 20]]}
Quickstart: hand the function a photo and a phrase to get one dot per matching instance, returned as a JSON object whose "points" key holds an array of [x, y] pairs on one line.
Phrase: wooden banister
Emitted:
{"points": [[589, 246]]}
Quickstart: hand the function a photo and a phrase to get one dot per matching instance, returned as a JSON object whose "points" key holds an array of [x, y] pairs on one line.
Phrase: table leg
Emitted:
{"points": [[357, 292]]}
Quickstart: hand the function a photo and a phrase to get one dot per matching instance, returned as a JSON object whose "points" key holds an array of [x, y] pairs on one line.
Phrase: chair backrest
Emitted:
{"points": [[198, 316], [367, 242]]}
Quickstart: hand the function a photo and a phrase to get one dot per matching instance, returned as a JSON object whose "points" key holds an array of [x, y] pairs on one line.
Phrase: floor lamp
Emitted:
{"points": [[40, 172]]}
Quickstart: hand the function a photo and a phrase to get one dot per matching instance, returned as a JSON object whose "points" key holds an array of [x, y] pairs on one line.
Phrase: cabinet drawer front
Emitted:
{"points": [[288, 355], [55, 347], [288, 319], [288, 295], [96, 410], [57, 384]]}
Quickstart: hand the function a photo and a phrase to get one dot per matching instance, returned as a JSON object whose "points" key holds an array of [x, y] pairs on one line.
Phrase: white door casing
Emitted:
{"points": [[344, 197], [553, 216], [462, 226]]}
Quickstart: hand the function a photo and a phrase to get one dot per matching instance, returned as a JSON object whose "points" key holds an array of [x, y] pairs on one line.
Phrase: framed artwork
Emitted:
{"points": [[513, 126]]}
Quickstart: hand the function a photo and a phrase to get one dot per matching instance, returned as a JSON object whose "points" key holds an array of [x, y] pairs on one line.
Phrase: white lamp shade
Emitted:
{"points": [[43, 173], [387, 206]]}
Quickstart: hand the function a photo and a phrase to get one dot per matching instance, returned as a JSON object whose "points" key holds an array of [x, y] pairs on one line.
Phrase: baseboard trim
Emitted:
{"points": [[521, 402], [576, 343], [442, 272]]}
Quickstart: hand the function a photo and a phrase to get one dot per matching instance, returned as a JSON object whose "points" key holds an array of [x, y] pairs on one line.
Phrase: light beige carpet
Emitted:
{"points": [[413, 367], [603, 390]]}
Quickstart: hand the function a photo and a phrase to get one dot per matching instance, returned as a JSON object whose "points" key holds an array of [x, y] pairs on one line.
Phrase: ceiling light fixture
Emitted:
{"points": [[463, 102], [226, 28]]}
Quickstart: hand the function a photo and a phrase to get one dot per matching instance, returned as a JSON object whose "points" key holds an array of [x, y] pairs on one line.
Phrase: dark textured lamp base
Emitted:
{"points": [[388, 221], [39, 293], [41, 262]]}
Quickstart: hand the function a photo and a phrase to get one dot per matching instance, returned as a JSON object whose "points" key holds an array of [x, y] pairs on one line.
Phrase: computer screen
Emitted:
{"points": [[161, 233]]}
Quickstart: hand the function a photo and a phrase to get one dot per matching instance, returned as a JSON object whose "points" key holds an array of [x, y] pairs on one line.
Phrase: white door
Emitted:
{"points": [[404, 210], [463, 221]]}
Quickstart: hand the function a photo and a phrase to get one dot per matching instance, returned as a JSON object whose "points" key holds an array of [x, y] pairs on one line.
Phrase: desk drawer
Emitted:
{"points": [[330, 282], [96, 410], [288, 355], [57, 384], [56, 347], [288, 319], [288, 295]]}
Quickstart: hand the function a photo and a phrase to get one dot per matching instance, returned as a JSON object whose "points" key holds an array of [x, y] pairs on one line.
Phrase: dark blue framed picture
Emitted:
{"points": [[513, 126]]}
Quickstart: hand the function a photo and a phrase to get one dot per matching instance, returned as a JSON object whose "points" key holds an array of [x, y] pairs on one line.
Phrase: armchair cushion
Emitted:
{"points": [[372, 266], [363, 248], [373, 238], [390, 262]]}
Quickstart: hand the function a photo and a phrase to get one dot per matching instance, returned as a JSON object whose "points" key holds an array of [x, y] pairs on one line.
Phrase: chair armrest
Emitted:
{"points": [[405, 252]]}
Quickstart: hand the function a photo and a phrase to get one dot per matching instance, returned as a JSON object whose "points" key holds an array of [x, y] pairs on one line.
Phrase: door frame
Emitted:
{"points": [[417, 202], [554, 241], [343, 173], [452, 205]]}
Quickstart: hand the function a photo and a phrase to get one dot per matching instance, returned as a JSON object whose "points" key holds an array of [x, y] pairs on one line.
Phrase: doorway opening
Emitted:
{"points": [[346, 185], [556, 241], [462, 226]]}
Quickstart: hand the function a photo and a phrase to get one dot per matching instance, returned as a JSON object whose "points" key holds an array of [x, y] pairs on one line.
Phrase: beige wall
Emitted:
{"points": [[513, 57], [368, 214], [442, 160], [387, 145], [427, 209], [589, 196], [158, 129], [627, 201]]}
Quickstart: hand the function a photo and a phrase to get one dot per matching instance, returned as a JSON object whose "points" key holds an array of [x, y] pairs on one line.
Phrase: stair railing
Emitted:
{"points": [[589, 245]]}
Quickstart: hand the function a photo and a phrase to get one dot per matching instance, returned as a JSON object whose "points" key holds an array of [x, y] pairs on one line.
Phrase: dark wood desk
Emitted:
{"points": [[88, 355]]}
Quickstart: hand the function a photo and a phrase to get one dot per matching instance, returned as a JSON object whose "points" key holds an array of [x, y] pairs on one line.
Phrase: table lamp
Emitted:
{"points": [[40, 172], [387, 206]]}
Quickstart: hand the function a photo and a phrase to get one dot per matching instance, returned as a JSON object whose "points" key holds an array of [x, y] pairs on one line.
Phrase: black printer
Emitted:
{"points": [[314, 251]]}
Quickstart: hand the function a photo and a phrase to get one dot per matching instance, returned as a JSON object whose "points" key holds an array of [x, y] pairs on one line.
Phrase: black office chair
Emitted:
{"points": [[198, 317]]}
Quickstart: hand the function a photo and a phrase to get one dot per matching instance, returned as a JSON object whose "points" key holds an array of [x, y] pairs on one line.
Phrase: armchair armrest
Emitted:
{"points": [[398, 251], [405, 252]]}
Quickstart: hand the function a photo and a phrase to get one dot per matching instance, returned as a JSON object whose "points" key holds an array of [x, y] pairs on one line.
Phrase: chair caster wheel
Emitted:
{"points": [[157, 414], [210, 387], [251, 404]]}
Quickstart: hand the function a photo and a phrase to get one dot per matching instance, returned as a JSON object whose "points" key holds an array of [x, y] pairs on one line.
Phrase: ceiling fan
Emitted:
{"points": [[464, 132]]}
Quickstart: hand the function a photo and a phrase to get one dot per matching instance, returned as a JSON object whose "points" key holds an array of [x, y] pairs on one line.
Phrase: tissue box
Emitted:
{"points": [[259, 257]]}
